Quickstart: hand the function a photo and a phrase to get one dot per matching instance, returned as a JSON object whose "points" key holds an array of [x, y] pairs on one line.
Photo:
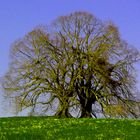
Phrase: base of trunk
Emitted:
{"points": [[63, 114]]}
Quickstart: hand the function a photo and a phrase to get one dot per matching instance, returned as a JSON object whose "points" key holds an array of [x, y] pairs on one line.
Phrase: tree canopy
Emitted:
{"points": [[77, 67]]}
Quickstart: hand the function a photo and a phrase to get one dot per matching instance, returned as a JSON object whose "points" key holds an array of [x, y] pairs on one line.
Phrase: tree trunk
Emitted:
{"points": [[86, 107], [64, 113], [86, 110]]}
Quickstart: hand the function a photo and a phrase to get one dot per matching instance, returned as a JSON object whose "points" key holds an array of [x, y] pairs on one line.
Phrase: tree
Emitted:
{"points": [[78, 62]]}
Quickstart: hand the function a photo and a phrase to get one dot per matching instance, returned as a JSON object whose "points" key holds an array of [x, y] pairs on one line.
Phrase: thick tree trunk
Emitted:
{"points": [[86, 110], [64, 112], [86, 107]]}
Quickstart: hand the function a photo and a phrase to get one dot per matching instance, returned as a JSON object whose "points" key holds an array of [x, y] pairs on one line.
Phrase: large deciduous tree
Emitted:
{"points": [[78, 63]]}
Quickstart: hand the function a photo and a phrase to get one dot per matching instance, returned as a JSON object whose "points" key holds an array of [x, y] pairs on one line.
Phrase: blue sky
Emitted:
{"points": [[17, 17]]}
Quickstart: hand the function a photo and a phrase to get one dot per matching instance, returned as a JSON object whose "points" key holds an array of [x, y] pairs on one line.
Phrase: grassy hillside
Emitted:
{"points": [[41, 128]]}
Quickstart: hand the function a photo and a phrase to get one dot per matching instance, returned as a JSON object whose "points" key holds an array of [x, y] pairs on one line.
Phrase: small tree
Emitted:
{"points": [[78, 62]]}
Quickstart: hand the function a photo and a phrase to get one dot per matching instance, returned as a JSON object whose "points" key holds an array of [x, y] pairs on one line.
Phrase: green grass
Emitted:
{"points": [[47, 128]]}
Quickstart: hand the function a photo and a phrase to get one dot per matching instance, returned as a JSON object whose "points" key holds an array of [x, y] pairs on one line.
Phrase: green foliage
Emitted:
{"points": [[48, 128]]}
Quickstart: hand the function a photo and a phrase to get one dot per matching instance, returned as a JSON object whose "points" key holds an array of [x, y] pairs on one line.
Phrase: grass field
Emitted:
{"points": [[47, 128]]}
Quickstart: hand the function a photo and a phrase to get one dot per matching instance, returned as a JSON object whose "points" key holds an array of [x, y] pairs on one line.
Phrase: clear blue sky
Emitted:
{"points": [[17, 17]]}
